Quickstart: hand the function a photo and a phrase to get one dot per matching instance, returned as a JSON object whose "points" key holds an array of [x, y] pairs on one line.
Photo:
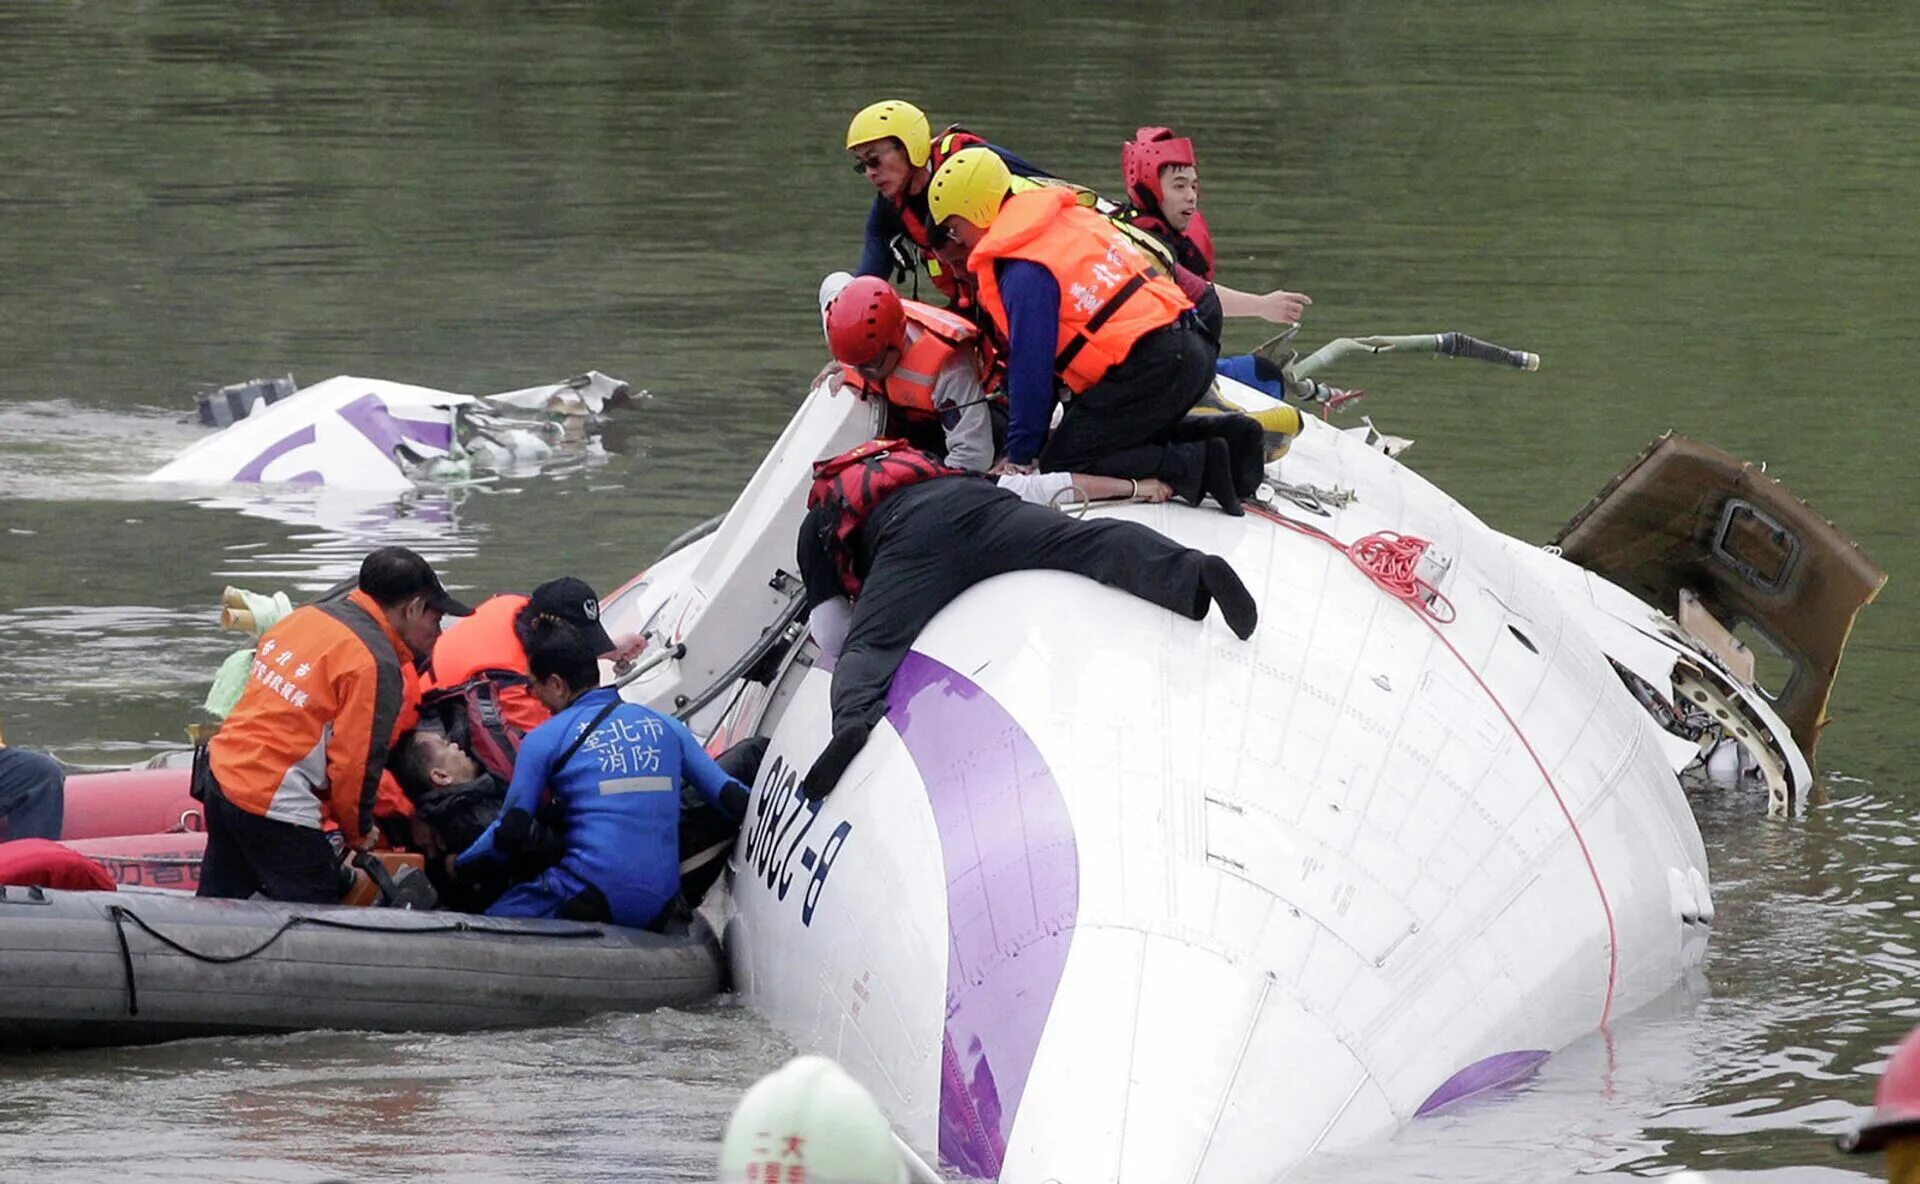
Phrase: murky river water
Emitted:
{"points": [[1700, 214]]}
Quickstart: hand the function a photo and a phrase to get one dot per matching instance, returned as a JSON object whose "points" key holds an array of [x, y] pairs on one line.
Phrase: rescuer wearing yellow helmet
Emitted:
{"points": [[893, 147], [1080, 304]]}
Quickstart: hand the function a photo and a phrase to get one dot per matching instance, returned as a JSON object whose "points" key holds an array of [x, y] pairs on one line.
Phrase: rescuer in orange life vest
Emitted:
{"points": [[903, 535], [894, 148], [1079, 303], [924, 364], [310, 734], [484, 658]]}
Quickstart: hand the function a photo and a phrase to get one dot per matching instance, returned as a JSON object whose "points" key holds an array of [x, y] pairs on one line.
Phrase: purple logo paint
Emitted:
{"points": [[1013, 897]]}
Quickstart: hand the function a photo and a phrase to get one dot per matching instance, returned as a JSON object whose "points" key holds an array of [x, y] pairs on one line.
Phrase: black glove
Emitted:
{"points": [[733, 801], [834, 759]]}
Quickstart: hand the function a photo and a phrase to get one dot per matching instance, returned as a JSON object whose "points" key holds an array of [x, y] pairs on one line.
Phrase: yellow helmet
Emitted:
{"points": [[893, 117], [972, 183]]}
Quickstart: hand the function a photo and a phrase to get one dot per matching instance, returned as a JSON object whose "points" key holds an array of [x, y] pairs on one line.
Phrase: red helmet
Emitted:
{"points": [[863, 320], [1142, 158], [1896, 1104]]}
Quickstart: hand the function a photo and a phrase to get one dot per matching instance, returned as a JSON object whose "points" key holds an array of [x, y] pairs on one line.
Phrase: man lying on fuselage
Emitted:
{"points": [[613, 772]]}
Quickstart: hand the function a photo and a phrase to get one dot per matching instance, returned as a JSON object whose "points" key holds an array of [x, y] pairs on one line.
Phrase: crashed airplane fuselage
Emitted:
{"points": [[1113, 895]]}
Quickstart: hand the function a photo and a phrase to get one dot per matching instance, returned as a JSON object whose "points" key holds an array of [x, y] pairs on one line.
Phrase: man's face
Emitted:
{"points": [[1180, 189], [962, 237], [552, 691], [418, 624], [884, 163], [878, 369], [447, 763]]}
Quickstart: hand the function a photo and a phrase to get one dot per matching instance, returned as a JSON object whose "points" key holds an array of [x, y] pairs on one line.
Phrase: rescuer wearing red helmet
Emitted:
{"points": [[922, 362], [1163, 188], [925, 364], [1895, 1122]]}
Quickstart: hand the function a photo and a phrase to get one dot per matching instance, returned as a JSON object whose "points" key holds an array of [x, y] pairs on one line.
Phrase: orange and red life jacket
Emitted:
{"points": [[859, 479], [485, 645], [934, 336], [912, 210], [1111, 294]]}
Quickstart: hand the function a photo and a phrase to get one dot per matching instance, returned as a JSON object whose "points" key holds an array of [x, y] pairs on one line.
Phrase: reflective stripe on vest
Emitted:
{"points": [[387, 698], [1110, 296]]}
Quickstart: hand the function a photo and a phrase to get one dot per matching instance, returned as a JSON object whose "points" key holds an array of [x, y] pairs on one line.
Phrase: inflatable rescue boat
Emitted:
{"points": [[110, 968]]}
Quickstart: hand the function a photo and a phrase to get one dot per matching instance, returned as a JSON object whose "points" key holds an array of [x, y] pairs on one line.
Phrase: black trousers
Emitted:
{"points": [[931, 542], [248, 854], [1121, 426]]}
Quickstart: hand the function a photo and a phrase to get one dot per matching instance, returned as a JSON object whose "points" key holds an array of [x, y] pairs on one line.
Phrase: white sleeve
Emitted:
{"points": [[1042, 489], [828, 623], [963, 413]]}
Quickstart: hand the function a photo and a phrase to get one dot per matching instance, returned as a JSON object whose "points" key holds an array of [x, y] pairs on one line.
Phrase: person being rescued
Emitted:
{"points": [[923, 364], [894, 148], [613, 771], [1079, 303], [308, 741], [902, 534], [1163, 193]]}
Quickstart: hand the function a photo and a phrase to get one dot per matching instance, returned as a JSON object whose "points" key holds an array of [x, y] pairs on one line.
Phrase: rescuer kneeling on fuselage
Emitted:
{"points": [[1083, 307], [613, 770]]}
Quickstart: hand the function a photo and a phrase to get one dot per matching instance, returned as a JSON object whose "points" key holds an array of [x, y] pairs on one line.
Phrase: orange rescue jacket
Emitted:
{"points": [[934, 335], [317, 716], [1110, 294], [485, 643]]}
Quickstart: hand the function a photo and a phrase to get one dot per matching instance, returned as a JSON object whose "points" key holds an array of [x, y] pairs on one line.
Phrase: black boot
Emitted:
{"points": [[1245, 438], [1248, 440], [1219, 480], [1236, 604], [836, 756], [1184, 468]]}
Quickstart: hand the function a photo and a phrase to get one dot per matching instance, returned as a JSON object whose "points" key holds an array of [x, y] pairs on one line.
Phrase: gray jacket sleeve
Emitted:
{"points": [[964, 415]]}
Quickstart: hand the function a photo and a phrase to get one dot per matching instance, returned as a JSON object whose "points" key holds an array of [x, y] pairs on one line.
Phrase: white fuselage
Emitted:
{"points": [[1112, 895]]}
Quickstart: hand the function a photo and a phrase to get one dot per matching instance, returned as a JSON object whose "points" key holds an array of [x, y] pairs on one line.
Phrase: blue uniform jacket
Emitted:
{"points": [[619, 794]]}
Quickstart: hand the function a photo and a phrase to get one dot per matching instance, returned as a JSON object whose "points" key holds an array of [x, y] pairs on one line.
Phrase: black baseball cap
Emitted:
{"points": [[393, 575], [575, 602]]}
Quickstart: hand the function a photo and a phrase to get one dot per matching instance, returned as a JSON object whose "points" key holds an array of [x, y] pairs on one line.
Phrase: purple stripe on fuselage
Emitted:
{"points": [[258, 464], [1485, 1074], [1013, 896], [372, 418]]}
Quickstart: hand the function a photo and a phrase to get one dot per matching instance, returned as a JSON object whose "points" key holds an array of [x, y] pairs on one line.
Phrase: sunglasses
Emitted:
{"points": [[866, 164]]}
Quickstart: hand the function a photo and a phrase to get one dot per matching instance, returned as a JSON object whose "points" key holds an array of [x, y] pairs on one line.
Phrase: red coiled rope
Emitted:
{"points": [[1390, 560]]}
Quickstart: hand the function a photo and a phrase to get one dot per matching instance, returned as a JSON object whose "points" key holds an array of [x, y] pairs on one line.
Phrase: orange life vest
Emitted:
{"points": [[934, 335], [913, 216], [485, 644], [1110, 296]]}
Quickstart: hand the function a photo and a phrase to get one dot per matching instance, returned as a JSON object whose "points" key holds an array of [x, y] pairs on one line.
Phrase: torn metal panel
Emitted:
{"points": [[1688, 518]]}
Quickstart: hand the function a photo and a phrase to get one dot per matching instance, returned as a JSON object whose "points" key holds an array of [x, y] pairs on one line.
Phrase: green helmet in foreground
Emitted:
{"points": [[811, 1116]]}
